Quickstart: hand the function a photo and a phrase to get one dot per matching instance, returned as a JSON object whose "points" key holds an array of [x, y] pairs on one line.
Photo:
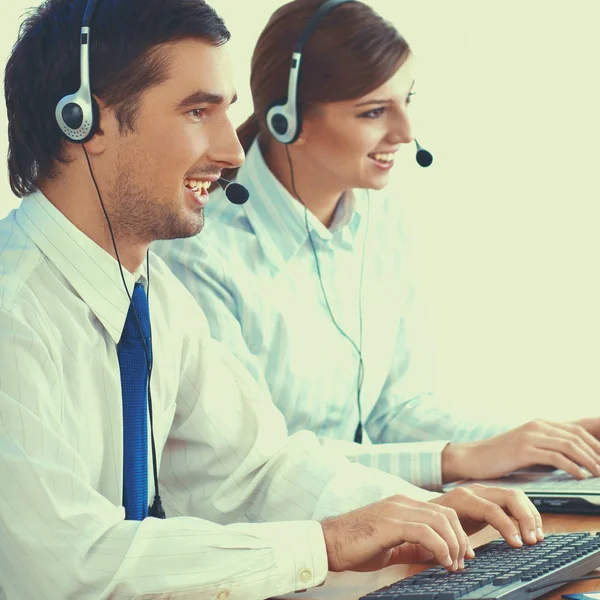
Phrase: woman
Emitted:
{"points": [[308, 283]]}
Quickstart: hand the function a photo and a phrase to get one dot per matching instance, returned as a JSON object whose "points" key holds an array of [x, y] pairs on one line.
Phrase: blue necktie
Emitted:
{"points": [[134, 388]]}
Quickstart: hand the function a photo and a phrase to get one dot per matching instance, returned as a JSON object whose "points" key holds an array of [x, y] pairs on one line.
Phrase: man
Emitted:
{"points": [[252, 512]]}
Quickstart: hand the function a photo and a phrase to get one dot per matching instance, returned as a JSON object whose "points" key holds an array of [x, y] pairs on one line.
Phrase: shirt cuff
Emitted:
{"points": [[299, 553], [417, 462]]}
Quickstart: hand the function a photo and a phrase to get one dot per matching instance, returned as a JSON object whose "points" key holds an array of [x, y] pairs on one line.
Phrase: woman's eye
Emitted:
{"points": [[374, 114]]}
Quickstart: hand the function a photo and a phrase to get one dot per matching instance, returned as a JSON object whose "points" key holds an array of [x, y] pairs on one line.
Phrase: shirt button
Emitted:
{"points": [[223, 595], [305, 575]]}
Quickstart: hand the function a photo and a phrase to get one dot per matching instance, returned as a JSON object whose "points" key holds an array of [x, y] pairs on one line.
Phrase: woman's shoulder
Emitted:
{"points": [[387, 210], [224, 246]]}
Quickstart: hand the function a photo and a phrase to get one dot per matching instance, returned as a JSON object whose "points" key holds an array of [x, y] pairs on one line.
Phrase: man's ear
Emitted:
{"points": [[107, 126]]}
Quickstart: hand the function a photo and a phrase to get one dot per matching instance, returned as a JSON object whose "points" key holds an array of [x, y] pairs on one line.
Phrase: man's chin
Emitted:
{"points": [[188, 229]]}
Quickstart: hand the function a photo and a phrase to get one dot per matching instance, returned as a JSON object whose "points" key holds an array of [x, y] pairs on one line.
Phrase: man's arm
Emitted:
{"points": [[62, 538], [245, 467], [252, 470]]}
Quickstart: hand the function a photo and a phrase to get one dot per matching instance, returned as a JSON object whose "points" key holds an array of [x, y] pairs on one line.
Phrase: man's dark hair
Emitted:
{"points": [[124, 63]]}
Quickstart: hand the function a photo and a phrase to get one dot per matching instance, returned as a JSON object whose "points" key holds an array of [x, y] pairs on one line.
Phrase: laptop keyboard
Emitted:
{"points": [[499, 571], [563, 482]]}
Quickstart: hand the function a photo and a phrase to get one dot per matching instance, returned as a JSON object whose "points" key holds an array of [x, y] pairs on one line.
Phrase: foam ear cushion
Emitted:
{"points": [[279, 123], [72, 115], [95, 121], [74, 118]]}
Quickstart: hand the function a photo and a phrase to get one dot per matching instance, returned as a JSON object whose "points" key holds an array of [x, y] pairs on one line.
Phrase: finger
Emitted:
{"points": [[583, 433], [479, 508], [591, 425], [470, 552], [408, 553], [588, 438], [451, 516], [439, 522], [573, 447], [461, 536], [518, 505], [539, 526], [557, 460], [537, 518], [424, 535], [536, 532]]}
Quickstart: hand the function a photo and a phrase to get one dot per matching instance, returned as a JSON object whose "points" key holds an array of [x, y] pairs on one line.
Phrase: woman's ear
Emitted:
{"points": [[301, 139], [304, 133]]}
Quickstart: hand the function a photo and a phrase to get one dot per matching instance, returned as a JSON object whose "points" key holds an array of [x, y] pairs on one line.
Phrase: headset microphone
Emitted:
{"points": [[424, 157], [236, 193]]}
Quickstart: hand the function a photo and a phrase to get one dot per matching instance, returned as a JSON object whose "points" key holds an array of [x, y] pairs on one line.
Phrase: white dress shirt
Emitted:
{"points": [[253, 271], [243, 499]]}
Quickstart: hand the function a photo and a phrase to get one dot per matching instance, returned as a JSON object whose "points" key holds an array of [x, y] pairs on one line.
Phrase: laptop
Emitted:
{"points": [[550, 490]]}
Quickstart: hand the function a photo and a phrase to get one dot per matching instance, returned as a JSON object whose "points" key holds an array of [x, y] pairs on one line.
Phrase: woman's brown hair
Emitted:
{"points": [[352, 51]]}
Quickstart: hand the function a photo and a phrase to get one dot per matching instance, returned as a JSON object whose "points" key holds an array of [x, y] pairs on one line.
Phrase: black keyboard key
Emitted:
{"points": [[506, 579], [417, 596], [460, 590]]}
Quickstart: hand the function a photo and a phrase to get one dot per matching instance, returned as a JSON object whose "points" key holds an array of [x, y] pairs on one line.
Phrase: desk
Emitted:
{"points": [[350, 586]]}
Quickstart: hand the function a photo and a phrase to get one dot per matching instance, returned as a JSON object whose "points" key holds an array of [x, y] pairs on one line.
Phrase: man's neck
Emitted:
{"points": [[317, 195], [74, 194]]}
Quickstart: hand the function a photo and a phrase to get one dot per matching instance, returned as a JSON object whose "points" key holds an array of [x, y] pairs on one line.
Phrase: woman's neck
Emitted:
{"points": [[319, 198]]}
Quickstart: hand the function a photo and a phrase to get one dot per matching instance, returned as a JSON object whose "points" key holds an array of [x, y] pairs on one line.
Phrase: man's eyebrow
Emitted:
{"points": [[386, 101], [200, 97]]}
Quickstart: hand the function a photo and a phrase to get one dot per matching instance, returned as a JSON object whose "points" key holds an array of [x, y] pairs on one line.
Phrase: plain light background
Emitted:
{"points": [[504, 223]]}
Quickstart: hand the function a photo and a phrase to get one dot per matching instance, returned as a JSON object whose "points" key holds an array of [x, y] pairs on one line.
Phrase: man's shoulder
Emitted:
{"points": [[20, 260], [177, 305]]}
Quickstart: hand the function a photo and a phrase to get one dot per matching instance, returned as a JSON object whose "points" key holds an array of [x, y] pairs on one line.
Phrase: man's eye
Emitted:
{"points": [[197, 113]]}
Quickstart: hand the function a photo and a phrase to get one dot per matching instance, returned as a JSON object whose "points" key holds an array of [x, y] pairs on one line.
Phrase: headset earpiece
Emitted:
{"points": [[78, 117], [284, 122]]}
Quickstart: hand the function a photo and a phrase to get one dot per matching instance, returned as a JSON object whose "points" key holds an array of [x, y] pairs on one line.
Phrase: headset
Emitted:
{"points": [[77, 116]]}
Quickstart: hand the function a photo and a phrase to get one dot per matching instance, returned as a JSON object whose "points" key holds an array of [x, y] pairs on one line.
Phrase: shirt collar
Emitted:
{"points": [[93, 272], [279, 220]]}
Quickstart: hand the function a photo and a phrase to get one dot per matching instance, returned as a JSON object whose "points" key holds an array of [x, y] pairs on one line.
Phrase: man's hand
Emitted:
{"points": [[479, 505], [402, 530], [567, 446]]}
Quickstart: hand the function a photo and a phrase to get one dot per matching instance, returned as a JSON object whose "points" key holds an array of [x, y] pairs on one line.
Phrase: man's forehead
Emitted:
{"points": [[195, 64]]}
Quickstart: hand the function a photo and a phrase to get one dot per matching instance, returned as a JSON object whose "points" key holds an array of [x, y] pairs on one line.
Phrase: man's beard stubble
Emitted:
{"points": [[136, 214]]}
